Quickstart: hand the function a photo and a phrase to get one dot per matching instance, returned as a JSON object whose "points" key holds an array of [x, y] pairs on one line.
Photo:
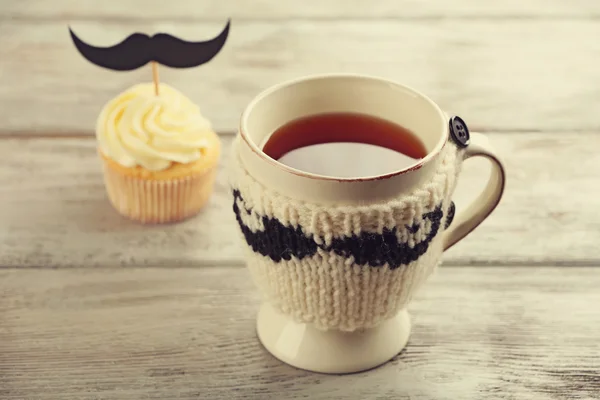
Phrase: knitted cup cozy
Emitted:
{"points": [[343, 267]]}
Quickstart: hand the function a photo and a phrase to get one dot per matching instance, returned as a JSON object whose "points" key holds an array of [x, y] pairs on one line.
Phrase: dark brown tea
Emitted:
{"points": [[344, 145]]}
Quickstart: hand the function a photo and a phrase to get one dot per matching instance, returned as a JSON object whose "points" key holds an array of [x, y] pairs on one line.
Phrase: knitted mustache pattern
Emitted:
{"points": [[278, 241]]}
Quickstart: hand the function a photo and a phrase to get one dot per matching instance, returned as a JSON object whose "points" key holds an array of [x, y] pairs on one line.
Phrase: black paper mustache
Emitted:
{"points": [[139, 49]]}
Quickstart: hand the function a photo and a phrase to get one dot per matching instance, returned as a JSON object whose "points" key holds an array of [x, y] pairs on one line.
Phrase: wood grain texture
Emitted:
{"points": [[492, 333], [284, 9], [499, 75], [55, 213]]}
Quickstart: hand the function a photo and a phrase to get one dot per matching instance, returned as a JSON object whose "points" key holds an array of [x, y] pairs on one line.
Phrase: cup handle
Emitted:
{"points": [[466, 221]]}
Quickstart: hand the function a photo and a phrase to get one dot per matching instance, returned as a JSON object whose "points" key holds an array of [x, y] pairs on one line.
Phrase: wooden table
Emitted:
{"points": [[93, 306]]}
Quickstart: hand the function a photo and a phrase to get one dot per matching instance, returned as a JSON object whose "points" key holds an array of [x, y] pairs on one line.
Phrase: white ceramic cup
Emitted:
{"points": [[300, 344]]}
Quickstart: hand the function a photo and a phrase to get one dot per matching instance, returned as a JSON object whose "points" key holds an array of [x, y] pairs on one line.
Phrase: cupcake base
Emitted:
{"points": [[303, 346], [154, 201]]}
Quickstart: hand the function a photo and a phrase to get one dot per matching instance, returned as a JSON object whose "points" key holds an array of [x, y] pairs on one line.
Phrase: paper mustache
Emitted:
{"points": [[139, 49]]}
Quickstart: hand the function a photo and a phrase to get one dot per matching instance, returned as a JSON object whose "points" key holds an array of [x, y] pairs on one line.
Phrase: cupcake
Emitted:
{"points": [[159, 154]]}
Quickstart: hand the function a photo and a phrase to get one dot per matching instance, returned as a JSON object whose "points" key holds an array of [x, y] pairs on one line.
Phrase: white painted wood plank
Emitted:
{"points": [[54, 211], [281, 9], [478, 334], [499, 75]]}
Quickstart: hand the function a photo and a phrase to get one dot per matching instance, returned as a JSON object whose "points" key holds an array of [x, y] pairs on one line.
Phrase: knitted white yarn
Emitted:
{"points": [[329, 290]]}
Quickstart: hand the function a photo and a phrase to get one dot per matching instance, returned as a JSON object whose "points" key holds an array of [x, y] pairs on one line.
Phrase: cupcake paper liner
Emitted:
{"points": [[158, 201]]}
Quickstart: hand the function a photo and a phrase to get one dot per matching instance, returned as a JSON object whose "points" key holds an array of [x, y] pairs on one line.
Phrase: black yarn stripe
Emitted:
{"points": [[450, 215], [278, 241], [377, 249]]}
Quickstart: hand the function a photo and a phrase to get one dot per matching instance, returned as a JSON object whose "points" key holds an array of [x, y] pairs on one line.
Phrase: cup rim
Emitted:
{"points": [[243, 128]]}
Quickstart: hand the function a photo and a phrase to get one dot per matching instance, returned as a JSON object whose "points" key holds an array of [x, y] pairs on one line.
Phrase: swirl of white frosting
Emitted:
{"points": [[140, 128]]}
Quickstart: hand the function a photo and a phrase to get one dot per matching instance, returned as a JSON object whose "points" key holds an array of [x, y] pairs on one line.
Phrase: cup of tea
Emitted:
{"points": [[342, 191]]}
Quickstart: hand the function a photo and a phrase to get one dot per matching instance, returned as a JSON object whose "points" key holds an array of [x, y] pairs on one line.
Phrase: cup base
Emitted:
{"points": [[332, 352]]}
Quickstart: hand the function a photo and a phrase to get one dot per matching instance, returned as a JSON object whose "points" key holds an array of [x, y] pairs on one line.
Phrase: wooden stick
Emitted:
{"points": [[155, 77]]}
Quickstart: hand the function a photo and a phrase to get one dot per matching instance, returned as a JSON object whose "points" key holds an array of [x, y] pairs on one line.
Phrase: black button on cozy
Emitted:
{"points": [[459, 131]]}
